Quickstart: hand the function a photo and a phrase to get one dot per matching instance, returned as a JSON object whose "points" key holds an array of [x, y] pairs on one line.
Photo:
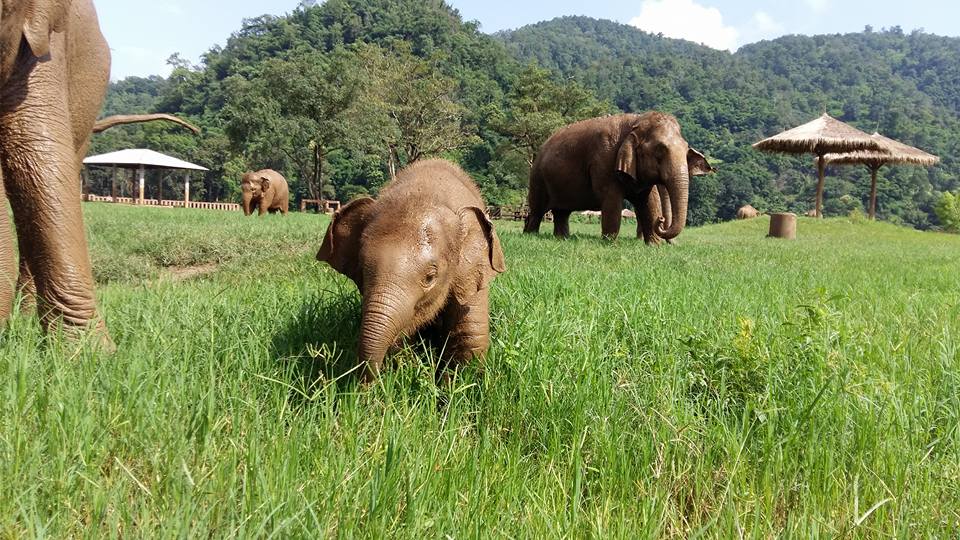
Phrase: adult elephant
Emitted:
{"points": [[54, 69], [596, 164]]}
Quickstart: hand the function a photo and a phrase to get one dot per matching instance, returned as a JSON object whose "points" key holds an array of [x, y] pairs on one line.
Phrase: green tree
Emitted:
{"points": [[948, 211], [537, 105], [411, 106], [293, 114]]}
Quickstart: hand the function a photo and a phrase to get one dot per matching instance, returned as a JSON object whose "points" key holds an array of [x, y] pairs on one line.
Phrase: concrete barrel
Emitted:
{"points": [[783, 226]]}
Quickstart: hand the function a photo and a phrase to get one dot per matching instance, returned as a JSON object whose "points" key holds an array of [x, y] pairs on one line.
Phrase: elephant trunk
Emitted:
{"points": [[247, 202], [678, 188], [665, 210], [385, 307]]}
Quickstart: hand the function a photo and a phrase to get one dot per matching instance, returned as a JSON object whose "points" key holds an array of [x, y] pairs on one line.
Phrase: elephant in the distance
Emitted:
{"points": [[748, 212], [54, 70], [596, 164], [265, 191], [423, 256]]}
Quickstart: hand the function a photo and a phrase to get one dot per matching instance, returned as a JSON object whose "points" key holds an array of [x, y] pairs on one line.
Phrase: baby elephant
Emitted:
{"points": [[266, 190], [422, 255]]}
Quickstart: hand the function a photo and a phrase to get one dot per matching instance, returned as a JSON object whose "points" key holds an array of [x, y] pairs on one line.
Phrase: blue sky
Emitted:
{"points": [[143, 34]]}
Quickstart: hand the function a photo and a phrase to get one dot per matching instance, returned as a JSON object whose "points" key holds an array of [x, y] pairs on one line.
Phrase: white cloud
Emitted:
{"points": [[686, 19], [761, 26], [819, 6], [762, 23]]}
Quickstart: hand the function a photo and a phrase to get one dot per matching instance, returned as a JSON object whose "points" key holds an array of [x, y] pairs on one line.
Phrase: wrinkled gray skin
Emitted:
{"points": [[596, 164], [54, 69], [422, 255], [54, 66], [265, 190]]}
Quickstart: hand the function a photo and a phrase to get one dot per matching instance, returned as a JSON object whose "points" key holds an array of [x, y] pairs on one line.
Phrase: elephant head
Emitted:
{"points": [[32, 20], [409, 266], [254, 186], [654, 153]]}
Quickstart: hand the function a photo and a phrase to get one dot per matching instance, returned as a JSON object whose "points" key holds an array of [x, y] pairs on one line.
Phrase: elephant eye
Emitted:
{"points": [[431, 277]]}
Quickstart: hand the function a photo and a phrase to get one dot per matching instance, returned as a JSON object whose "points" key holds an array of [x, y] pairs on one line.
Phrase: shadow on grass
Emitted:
{"points": [[319, 344], [317, 348]]}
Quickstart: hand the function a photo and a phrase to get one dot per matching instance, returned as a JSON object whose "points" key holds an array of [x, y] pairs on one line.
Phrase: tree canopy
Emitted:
{"points": [[337, 96]]}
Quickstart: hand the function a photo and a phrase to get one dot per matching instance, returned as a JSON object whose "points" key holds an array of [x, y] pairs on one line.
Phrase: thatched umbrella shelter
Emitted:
{"points": [[893, 153], [825, 135]]}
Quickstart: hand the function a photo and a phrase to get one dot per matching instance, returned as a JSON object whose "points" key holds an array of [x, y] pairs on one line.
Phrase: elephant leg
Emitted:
{"points": [[539, 206], [8, 270], [561, 223], [643, 223], [42, 178], [468, 329], [611, 215], [26, 286], [264, 207]]}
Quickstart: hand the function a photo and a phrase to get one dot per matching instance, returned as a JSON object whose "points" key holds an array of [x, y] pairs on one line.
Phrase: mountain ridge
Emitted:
{"points": [[905, 85]]}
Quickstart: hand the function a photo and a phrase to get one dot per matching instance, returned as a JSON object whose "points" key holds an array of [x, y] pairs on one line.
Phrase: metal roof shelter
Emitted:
{"points": [[141, 159], [825, 135]]}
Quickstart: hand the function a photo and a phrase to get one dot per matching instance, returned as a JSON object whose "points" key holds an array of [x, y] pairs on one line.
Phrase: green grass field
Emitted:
{"points": [[727, 386]]}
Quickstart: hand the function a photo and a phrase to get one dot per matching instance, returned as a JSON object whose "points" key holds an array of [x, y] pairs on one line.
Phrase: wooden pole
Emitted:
{"points": [[186, 191], [821, 175], [113, 185], [143, 179], [873, 192]]}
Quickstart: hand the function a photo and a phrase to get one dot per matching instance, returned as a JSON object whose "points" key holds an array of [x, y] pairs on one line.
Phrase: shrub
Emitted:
{"points": [[948, 210]]}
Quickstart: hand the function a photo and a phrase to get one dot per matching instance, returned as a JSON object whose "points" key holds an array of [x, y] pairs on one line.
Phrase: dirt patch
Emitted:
{"points": [[184, 273]]}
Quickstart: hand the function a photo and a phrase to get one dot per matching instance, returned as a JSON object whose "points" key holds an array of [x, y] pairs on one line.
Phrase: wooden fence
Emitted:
{"points": [[229, 207], [323, 205], [513, 213]]}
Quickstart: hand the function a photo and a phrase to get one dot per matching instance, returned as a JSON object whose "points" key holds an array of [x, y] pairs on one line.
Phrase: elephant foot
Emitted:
{"points": [[95, 336]]}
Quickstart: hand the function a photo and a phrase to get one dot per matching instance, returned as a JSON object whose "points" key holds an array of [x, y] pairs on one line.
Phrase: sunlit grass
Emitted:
{"points": [[730, 385]]}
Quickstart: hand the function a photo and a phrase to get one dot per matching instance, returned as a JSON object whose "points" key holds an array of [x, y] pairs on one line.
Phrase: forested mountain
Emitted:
{"points": [[905, 86], [339, 95]]}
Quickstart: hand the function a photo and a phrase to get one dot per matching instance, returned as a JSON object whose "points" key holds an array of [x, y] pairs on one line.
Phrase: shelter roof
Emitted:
{"points": [[137, 157]]}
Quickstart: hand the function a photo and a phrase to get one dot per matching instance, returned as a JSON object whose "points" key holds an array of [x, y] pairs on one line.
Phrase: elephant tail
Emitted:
{"points": [[125, 119]]}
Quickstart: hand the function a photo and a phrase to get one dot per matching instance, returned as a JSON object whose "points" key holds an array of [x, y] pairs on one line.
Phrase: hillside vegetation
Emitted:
{"points": [[731, 384], [330, 95]]}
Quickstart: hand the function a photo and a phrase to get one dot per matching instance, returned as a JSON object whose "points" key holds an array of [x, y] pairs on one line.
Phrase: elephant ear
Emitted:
{"points": [[481, 257], [627, 156], [264, 183], [697, 163], [43, 17], [341, 245]]}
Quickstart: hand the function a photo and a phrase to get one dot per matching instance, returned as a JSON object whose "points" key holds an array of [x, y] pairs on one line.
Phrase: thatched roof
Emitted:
{"points": [[893, 152], [825, 135]]}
